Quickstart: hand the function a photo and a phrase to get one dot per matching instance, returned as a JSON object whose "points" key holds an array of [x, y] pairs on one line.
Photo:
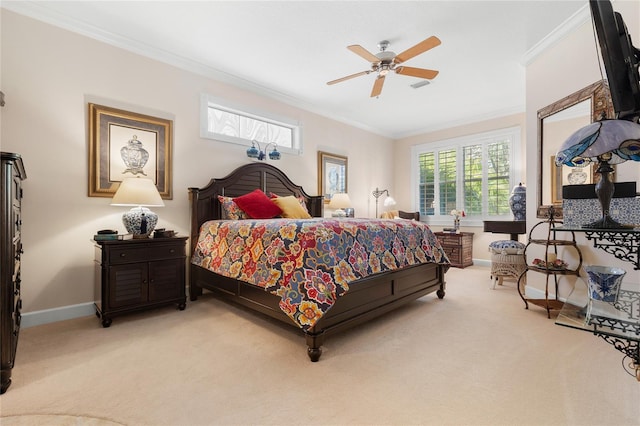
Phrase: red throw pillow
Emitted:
{"points": [[257, 205]]}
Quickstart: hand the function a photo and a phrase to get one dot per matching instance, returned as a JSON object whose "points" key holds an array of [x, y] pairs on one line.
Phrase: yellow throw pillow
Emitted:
{"points": [[291, 207]]}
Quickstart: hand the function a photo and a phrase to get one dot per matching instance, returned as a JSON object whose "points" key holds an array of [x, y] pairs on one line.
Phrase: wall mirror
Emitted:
{"points": [[556, 123]]}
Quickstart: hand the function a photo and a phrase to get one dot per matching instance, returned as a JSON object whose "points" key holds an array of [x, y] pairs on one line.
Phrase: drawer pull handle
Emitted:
{"points": [[122, 255]]}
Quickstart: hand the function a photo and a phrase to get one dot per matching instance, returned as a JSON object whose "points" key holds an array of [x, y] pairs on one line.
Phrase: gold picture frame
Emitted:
{"points": [[332, 174], [127, 144]]}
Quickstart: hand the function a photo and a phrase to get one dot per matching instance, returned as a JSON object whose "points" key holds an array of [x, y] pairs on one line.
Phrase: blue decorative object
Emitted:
{"points": [[253, 152], [604, 282], [577, 212], [506, 247], [140, 221], [260, 154], [518, 202]]}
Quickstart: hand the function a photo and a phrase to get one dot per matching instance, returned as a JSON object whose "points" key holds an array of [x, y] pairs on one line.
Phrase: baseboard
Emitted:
{"points": [[536, 293], [31, 319], [482, 262]]}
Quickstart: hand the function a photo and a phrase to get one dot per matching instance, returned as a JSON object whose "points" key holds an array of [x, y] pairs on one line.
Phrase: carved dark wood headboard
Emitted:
{"points": [[204, 201]]}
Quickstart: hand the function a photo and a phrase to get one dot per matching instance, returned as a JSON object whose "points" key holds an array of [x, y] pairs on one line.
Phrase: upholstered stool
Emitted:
{"points": [[506, 260]]}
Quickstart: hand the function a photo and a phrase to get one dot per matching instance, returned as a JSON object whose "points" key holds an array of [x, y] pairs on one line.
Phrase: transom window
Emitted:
{"points": [[473, 173], [220, 120]]}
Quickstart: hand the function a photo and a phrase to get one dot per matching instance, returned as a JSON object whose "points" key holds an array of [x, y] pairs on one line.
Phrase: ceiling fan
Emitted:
{"points": [[385, 61]]}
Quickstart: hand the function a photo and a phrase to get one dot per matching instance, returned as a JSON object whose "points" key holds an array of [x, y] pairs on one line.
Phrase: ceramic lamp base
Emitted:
{"points": [[140, 221], [339, 213]]}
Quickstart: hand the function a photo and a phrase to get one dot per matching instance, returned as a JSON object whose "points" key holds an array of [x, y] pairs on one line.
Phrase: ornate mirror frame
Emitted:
{"points": [[601, 107]]}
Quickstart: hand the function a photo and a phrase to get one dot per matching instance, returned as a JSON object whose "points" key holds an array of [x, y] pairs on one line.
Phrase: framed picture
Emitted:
{"points": [[126, 144], [332, 174], [566, 175]]}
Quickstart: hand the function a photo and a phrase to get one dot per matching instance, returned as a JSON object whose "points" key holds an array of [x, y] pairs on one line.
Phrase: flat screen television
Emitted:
{"points": [[620, 58]]}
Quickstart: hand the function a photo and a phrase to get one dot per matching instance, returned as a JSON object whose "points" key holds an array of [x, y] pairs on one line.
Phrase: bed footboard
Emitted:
{"points": [[366, 299]]}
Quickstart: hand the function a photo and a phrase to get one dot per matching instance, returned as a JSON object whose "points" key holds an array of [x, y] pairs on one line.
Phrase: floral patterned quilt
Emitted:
{"points": [[309, 263]]}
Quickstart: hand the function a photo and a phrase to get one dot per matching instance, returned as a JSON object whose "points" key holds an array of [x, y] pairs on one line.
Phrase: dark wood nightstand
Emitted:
{"points": [[139, 274], [459, 247]]}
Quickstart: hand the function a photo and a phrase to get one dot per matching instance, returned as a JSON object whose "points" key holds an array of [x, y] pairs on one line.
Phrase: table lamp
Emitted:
{"points": [[603, 142], [140, 193], [339, 202]]}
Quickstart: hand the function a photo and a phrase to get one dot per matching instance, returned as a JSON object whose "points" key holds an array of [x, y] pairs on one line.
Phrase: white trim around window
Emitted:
{"points": [[246, 124], [512, 134]]}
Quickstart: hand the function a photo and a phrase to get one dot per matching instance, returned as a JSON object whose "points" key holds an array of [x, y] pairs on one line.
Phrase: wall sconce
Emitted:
{"points": [[339, 202], [389, 201], [260, 154]]}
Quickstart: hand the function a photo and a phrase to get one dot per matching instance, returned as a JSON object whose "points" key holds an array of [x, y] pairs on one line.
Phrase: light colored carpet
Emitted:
{"points": [[477, 357], [54, 420]]}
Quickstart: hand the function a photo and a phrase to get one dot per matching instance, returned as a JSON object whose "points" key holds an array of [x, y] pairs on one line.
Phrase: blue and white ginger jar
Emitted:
{"points": [[518, 202]]}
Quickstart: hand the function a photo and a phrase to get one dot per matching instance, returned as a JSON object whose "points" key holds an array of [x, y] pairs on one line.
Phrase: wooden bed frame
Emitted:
{"points": [[366, 299]]}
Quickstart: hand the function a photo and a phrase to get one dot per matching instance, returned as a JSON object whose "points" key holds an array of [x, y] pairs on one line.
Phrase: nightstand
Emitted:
{"points": [[139, 274], [458, 246]]}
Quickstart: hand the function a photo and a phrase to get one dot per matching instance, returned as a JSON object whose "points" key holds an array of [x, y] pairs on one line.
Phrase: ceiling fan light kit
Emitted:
{"points": [[386, 61]]}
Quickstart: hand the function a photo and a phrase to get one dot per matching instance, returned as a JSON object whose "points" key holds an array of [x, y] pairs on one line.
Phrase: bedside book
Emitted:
{"points": [[112, 237]]}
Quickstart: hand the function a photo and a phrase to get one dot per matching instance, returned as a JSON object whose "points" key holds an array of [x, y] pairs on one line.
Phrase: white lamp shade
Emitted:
{"points": [[340, 201], [389, 201], [137, 192]]}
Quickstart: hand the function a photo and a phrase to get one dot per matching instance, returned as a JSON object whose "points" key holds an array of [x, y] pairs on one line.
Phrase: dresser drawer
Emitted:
{"points": [[449, 240], [453, 252], [137, 254]]}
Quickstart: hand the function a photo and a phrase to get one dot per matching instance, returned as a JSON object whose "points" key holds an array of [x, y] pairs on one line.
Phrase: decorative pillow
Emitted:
{"points": [[230, 209], [506, 247], [257, 205], [300, 199], [291, 207]]}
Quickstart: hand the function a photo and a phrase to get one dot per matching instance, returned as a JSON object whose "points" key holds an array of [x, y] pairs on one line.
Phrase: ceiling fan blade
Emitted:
{"points": [[361, 51], [358, 74], [417, 72], [419, 48], [377, 86]]}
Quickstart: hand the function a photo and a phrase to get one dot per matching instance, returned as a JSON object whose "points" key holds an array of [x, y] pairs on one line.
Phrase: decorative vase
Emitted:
{"points": [[456, 224], [604, 282], [518, 202], [140, 221], [134, 156]]}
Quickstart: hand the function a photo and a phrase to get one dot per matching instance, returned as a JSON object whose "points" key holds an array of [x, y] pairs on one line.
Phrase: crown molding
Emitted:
{"points": [[579, 18], [39, 11]]}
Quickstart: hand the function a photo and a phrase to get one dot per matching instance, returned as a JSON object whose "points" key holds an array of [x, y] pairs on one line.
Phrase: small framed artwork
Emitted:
{"points": [[127, 144], [332, 174], [566, 175]]}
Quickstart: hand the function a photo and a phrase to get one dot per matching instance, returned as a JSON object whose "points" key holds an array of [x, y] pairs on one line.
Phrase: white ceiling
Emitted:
{"points": [[288, 50]]}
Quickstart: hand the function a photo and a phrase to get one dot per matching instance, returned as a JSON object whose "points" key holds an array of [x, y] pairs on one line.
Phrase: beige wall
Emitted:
{"points": [[563, 69], [49, 74]]}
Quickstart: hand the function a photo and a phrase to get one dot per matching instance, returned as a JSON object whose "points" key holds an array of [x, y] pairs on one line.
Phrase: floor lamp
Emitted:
{"points": [[389, 201]]}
